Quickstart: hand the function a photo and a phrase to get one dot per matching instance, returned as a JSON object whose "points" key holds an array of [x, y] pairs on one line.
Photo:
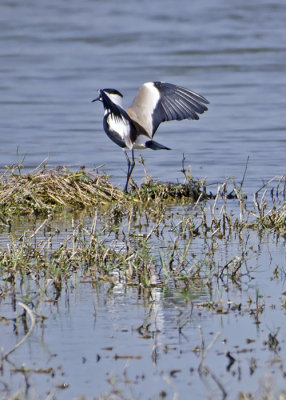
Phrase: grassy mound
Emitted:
{"points": [[44, 190]]}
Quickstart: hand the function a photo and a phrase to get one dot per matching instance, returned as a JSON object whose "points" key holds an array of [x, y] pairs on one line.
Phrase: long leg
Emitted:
{"points": [[130, 167]]}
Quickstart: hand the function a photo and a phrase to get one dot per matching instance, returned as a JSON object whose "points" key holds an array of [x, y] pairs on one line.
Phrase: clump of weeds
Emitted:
{"points": [[45, 190]]}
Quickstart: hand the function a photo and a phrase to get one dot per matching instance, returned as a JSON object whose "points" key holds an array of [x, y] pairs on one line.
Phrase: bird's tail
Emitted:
{"points": [[151, 144]]}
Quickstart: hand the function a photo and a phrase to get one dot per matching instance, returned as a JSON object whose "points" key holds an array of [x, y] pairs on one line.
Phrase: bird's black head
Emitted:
{"points": [[112, 92], [114, 95]]}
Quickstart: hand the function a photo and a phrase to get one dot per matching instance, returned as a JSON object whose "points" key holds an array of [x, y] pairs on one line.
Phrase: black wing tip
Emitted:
{"points": [[203, 99], [203, 109], [196, 116]]}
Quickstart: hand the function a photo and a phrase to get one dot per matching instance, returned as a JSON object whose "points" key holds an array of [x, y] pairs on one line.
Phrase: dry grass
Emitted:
{"points": [[44, 190]]}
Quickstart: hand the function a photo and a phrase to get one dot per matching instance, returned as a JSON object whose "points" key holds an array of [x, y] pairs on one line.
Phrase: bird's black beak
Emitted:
{"points": [[96, 99]]}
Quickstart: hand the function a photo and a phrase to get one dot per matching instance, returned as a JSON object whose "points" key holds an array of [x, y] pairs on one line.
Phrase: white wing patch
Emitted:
{"points": [[143, 105]]}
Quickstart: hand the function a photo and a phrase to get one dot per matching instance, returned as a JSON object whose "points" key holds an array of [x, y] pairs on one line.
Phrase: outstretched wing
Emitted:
{"points": [[156, 102]]}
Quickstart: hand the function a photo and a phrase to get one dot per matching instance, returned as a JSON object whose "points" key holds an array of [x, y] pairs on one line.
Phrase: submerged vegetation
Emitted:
{"points": [[83, 229]]}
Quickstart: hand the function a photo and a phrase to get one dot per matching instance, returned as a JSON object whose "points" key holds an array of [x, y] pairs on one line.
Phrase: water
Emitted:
{"points": [[53, 57], [101, 339]]}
